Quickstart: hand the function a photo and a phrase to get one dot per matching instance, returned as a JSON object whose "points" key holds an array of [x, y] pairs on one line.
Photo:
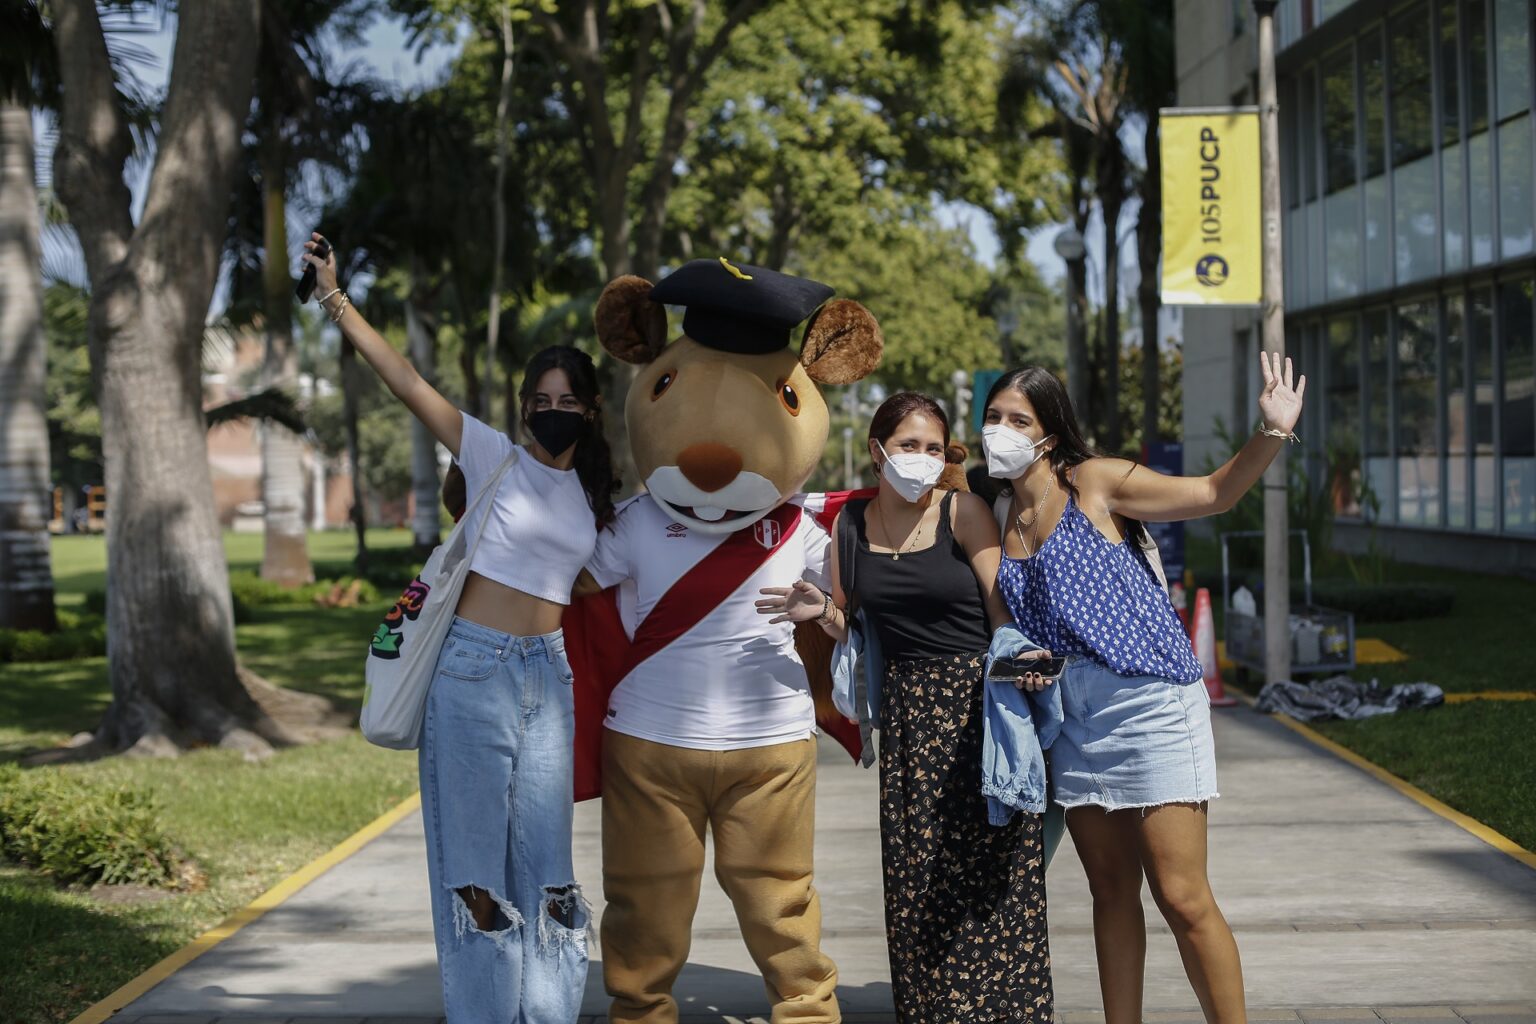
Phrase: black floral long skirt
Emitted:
{"points": [[964, 900]]}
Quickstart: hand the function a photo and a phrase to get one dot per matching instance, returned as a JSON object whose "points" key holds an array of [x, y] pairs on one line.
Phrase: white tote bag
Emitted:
{"points": [[403, 655]]}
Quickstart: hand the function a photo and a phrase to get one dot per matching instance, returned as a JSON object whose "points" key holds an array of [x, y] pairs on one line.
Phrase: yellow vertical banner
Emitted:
{"points": [[1213, 251]]}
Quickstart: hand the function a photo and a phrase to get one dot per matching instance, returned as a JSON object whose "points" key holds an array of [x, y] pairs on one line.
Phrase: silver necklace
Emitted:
{"points": [[1030, 548]]}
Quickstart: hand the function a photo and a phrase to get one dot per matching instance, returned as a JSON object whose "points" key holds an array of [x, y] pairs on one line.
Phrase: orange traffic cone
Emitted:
{"points": [[1205, 650]]}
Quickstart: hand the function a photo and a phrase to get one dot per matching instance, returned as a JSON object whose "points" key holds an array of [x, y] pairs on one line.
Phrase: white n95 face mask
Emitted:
{"points": [[1009, 453], [913, 475]]}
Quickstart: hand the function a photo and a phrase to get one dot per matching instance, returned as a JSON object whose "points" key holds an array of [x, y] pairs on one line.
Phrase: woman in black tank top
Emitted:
{"points": [[964, 900]]}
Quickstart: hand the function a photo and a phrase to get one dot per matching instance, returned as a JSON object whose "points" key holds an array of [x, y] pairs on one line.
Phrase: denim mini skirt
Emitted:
{"points": [[1131, 742]]}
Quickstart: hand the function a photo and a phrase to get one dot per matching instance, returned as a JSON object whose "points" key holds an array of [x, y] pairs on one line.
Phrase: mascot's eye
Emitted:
{"points": [[789, 398], [662, 383]]}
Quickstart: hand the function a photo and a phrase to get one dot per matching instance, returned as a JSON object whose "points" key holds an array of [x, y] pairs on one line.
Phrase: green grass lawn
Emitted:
{"points": [[1479, 756], [247, 825]]}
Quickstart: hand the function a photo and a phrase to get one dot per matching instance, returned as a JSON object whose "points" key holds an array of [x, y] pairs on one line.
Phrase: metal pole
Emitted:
{"points": [[1277, 569]]}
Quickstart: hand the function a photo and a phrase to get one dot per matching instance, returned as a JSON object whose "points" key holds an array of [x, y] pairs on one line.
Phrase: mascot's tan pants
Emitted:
{"points": [[760, 804]]}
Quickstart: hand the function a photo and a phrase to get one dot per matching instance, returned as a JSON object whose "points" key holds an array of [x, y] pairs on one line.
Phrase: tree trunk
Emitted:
{"points": [[425, 485], [26, 580], [285, 551], [1149, 246], [498, 215], [1080, 374], [351, 384], [170, 634]]}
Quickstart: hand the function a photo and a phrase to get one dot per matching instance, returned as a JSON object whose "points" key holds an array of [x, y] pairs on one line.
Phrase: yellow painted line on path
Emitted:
{"points": [[273, 897], [1462, 698], [1497, 840]]}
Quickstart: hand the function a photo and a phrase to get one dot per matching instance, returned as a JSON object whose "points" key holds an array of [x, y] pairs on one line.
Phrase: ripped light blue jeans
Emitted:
{"points": [[496, 798]]}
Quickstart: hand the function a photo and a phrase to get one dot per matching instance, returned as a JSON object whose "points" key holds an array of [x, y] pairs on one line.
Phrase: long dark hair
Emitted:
{"points": [[1054, 413], [903, 404], [593, 461]]}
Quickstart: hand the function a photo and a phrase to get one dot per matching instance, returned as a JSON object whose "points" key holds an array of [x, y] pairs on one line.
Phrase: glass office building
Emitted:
{"points": [[1409, 190]]}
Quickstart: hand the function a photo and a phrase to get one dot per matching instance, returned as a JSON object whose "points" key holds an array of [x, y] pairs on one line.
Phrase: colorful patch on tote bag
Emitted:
{"points": [[388, 638]]}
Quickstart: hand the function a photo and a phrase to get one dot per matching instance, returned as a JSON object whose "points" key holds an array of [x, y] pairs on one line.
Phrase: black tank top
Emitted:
{"points": [[925, 604]]}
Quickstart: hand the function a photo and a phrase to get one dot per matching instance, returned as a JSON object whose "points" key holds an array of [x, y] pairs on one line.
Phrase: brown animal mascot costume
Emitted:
{"points": [[710, 718]]}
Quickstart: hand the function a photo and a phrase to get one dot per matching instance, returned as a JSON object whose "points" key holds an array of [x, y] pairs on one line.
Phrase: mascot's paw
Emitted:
{"points": [[842, 343], [629, 325]]}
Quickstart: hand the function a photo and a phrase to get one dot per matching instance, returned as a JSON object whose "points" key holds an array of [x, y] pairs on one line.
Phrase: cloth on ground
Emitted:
{"points": [[1343, 697]]}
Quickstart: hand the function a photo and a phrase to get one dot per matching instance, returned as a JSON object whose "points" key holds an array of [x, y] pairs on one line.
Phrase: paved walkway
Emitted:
{"points": [[1350, 902]]}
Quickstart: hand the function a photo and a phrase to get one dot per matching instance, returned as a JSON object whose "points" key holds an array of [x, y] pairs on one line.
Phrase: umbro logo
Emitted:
{"points": [[676, 531]]}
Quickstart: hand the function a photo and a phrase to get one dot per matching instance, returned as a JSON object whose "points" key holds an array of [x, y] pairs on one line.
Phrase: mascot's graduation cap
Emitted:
{"points": [[737, 307]]}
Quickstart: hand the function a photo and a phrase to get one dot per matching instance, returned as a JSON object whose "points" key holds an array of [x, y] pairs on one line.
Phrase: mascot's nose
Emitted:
{"points": [[709, 466]]}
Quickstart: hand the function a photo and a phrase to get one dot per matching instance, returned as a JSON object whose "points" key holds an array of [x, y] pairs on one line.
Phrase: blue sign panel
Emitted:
{"points": [[980, 385]]}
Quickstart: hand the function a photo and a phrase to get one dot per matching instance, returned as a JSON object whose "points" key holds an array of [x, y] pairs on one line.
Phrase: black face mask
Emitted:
{"points": [[557, 430]]}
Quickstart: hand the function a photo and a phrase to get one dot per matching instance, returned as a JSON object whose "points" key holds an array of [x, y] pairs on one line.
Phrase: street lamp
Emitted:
{"points": [[1277, 533], [1071, 248]]}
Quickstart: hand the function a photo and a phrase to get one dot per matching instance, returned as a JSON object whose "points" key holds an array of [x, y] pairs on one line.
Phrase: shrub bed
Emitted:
{"points": [[78, 636], [79, 833], [252, 591]]}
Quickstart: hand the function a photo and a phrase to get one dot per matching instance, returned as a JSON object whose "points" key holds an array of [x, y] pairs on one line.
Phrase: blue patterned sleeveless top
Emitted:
{"points": [[1081, 594]]}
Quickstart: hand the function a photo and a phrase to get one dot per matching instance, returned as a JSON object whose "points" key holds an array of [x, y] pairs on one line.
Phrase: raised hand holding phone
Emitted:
{"points": [[320, 249]]}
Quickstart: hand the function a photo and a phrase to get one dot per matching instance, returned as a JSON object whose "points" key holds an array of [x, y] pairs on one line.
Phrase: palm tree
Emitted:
{"points": [[299, 114], [1032, 99], [27, 77], [1145, 28], [170, 631]]}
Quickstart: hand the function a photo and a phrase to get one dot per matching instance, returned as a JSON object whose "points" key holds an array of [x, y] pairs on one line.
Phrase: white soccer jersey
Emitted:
{"points": [[732, 680]]}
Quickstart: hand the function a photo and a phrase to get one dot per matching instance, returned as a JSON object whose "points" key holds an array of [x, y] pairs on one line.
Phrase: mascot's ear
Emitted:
{"points": [[842, 343], [630, 326]]}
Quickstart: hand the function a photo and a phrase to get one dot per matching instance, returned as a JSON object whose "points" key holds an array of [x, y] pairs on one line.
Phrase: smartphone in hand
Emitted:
{"points": [[1015, 668], [306, 286]]}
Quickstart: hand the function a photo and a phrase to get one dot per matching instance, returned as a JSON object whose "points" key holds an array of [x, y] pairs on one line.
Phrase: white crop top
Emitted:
{"points": [[541, 531]]}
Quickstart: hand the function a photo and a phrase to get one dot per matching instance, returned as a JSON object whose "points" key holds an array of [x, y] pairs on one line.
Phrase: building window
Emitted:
{"points": [[1456, 414], [1415, 231], [1416, 415], [1484, 462], [1373, 74], [1517, 409], [1515, 183], [1452, 177], [1512, 88], [1341, 212], [1512, 63], [1306, 109], [1343, 413], [1380, 501], [1474, 15]]}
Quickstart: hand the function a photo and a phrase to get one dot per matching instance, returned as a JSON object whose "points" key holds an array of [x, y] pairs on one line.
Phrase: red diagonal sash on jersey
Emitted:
{"points": [[601, 655]]}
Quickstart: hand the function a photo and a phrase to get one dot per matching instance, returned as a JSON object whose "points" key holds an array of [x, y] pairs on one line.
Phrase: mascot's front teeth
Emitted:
{"points": [[709, 513]]}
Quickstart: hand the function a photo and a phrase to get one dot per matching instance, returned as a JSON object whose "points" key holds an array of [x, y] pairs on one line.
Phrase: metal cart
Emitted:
{"points": [[1322, 639]]}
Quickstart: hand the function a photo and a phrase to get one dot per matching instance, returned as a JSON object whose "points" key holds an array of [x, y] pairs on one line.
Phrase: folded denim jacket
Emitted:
{"points": [[1018, 726], [856, 661]]}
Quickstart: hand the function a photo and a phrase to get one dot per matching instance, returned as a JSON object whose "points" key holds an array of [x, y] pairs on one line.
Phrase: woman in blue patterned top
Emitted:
{"points": [[1134, 764]]}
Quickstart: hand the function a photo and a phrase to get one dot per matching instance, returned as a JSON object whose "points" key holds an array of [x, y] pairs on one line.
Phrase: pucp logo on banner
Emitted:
{"points": [[1212, 247]]}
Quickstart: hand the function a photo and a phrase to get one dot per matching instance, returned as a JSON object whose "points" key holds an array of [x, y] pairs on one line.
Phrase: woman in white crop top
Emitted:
{"points": [[496, 766]]}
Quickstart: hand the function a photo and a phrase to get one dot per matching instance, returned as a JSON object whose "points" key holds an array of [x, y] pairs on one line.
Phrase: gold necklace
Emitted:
{"points": [[886, 526], [1018, 521]]}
